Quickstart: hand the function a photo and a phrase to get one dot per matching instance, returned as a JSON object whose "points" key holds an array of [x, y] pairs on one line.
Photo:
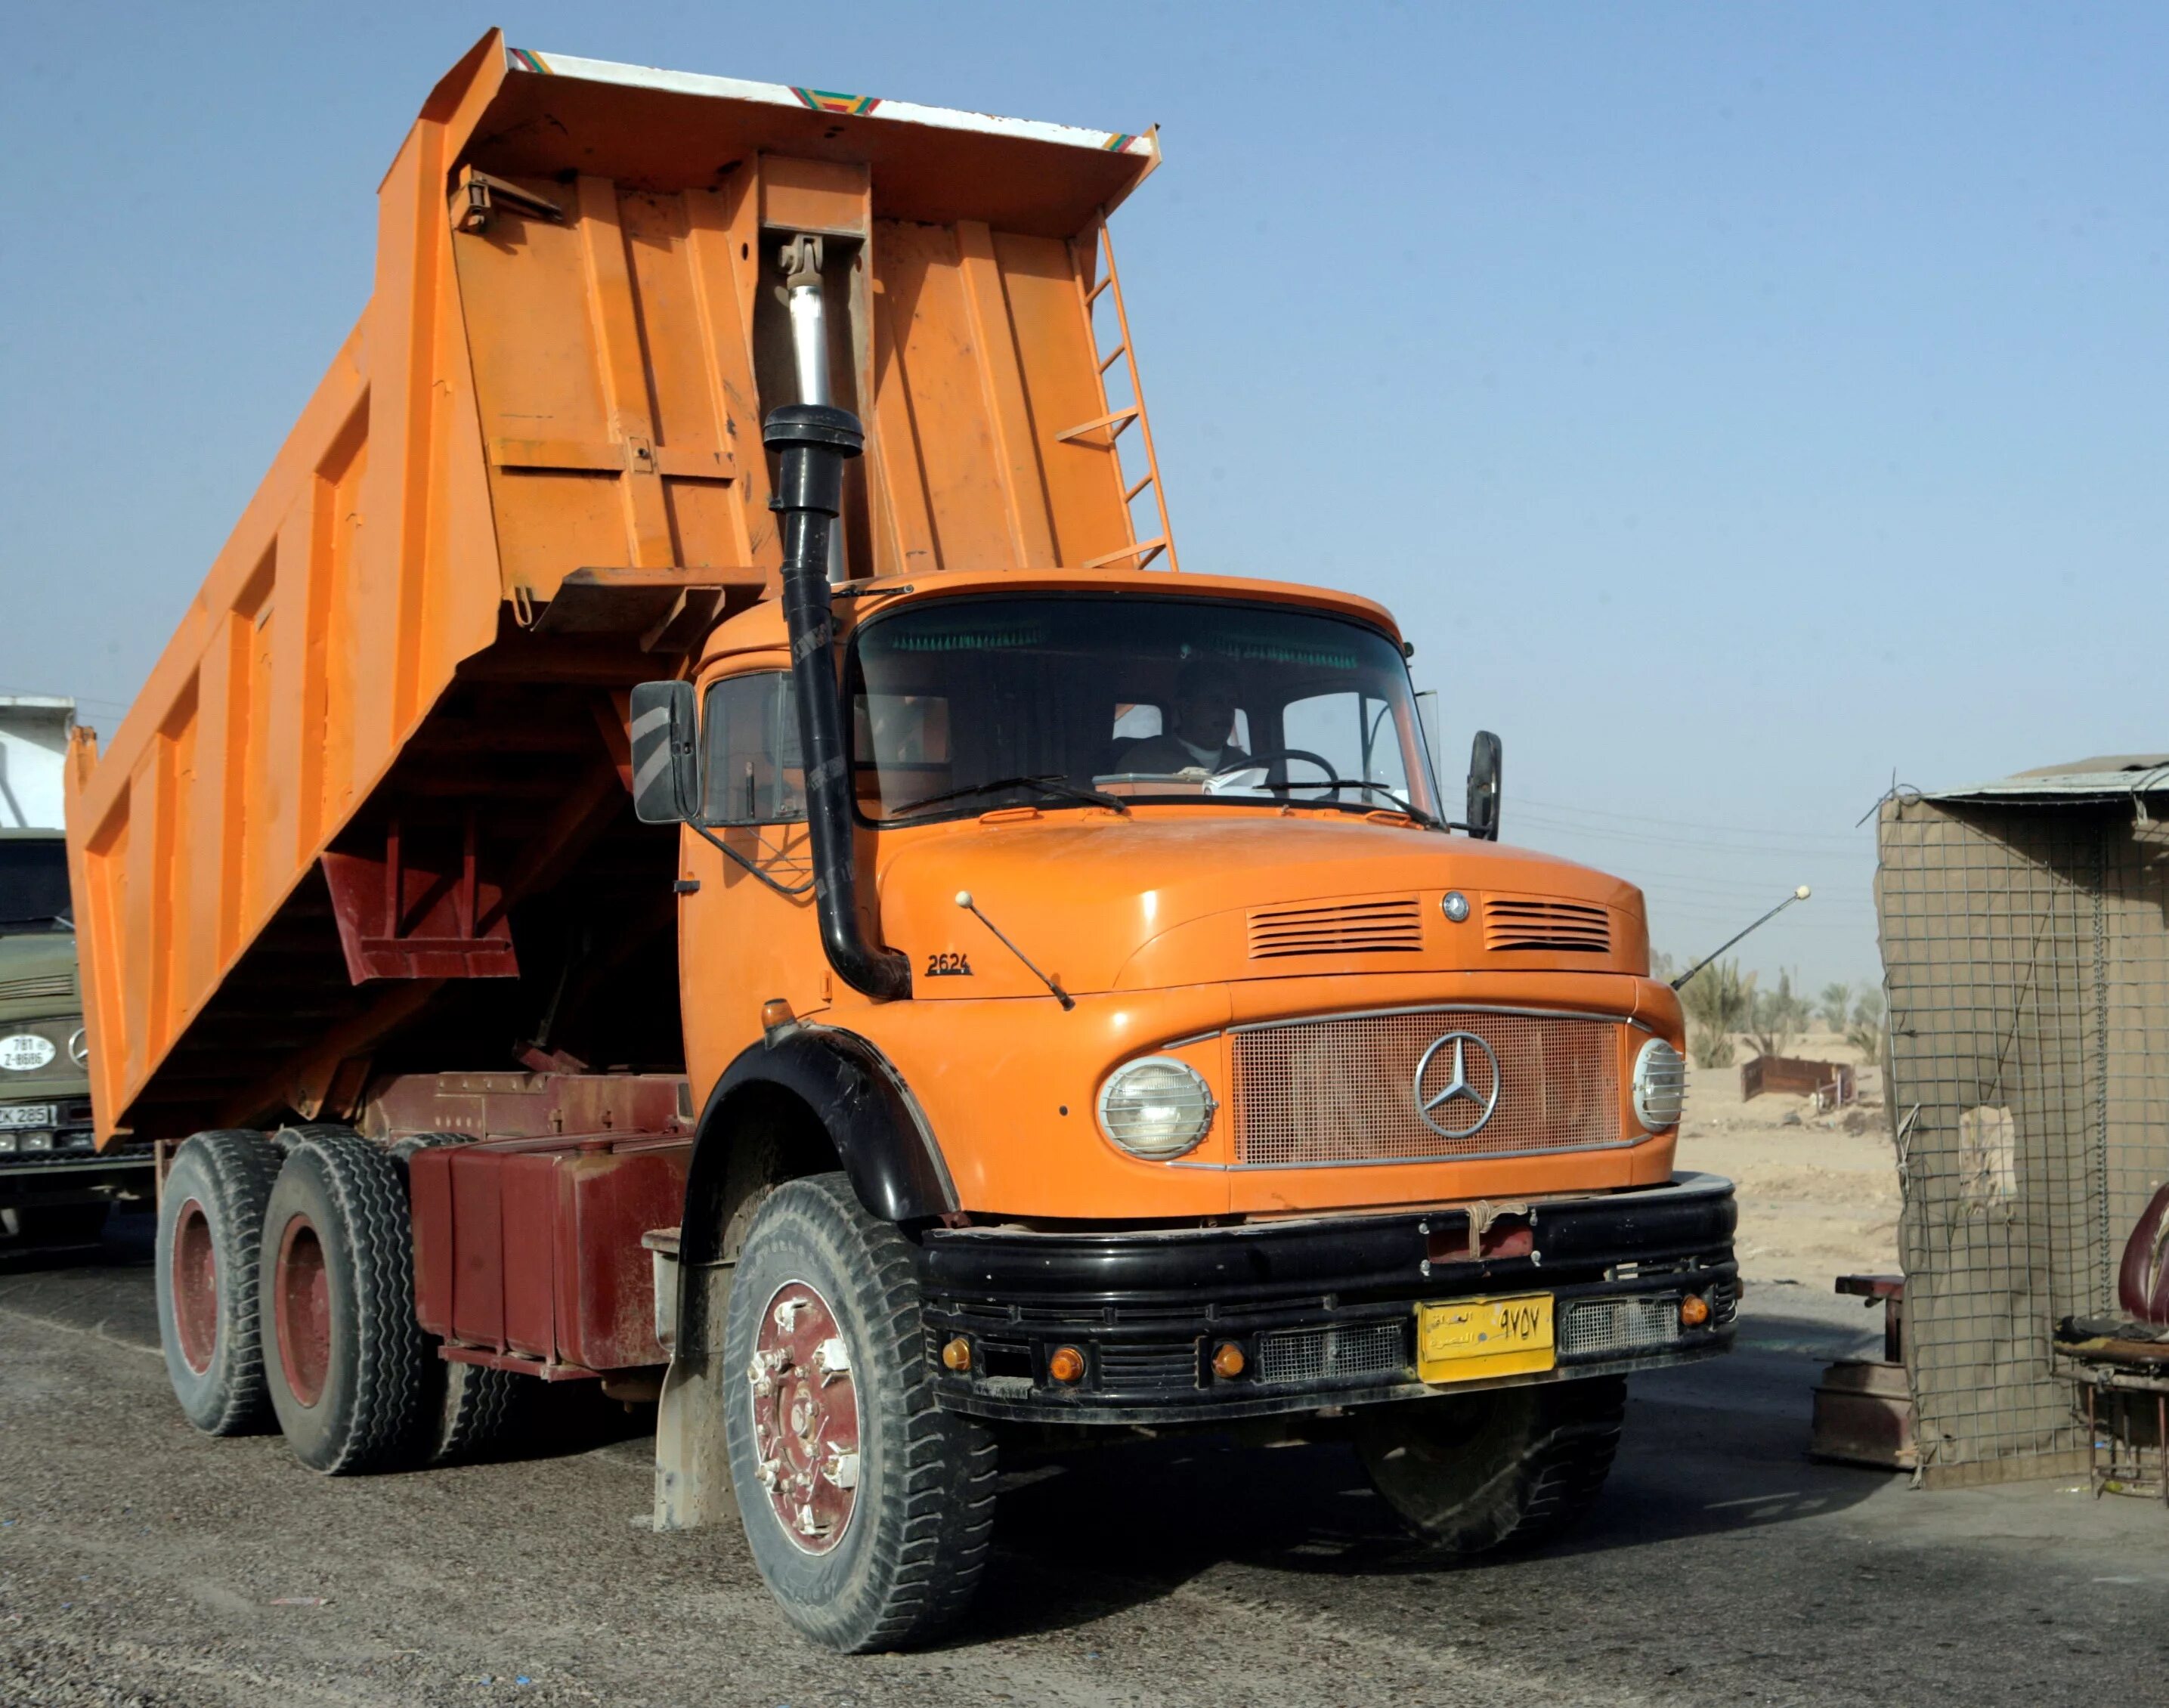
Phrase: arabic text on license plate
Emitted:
{"points": [[26, 1114], [1467, 1340]]}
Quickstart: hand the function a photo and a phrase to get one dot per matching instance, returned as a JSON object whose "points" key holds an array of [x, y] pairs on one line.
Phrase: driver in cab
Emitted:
{"points": [[1198, 742]]}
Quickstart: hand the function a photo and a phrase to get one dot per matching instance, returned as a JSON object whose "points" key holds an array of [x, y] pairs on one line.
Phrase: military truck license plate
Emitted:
{"points": [[26, 1114], [1469, 1339]]}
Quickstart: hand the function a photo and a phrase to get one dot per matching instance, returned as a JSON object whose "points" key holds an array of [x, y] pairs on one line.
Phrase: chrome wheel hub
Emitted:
{"points": [[805, 1406]]}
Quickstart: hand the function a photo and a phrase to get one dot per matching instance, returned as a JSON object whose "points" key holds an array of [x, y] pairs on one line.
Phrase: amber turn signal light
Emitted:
{"points": [[957, 1355], [1694, 1311], [1067, 1365], [1228, 1360]]}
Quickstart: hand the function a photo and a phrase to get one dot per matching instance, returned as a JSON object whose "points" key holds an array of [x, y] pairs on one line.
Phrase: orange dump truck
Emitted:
{"points": [[690, 840]]}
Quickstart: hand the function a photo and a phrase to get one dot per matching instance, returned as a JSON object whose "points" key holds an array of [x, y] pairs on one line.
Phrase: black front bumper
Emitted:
{"points": [[65, 1167], [1323, 1310]]}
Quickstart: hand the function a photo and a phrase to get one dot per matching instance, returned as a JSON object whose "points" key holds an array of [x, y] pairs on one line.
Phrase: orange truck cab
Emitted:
{"points": [[694, 841]]}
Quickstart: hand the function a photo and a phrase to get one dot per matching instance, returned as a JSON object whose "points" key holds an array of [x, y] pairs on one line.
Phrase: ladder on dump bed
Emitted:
{"points": [[1091, 252]]}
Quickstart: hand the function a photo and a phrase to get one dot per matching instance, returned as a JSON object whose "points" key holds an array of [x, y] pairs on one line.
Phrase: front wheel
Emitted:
{"points": [[868, 1509], [1504, 1467]]}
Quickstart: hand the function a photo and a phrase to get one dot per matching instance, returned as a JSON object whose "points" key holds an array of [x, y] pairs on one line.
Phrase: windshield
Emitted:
{"points": [[33, 885], [962, 706]]}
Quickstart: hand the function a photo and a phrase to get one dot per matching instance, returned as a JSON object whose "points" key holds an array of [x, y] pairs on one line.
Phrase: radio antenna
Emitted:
{"points": [[1800, 895]]}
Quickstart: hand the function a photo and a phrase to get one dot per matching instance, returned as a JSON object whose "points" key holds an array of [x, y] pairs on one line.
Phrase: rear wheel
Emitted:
{"points": [[867, 1507], [347, 1367], [1506, 1467], [473, 1409], [480, 1408], [210, 1232]]}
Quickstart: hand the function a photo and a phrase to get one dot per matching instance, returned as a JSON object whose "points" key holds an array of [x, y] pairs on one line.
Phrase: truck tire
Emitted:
{"points": [[210, 1229], [347, 1367], [869, 1509], [475, 1409], [479, 1410], [1508, 1467]]}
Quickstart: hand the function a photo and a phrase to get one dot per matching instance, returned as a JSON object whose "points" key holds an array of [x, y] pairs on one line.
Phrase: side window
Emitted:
{"points": [[1353, 733], [749, 736]]}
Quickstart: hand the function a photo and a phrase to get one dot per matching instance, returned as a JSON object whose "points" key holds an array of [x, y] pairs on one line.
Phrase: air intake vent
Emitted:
{"points": [[1533, 922], [60, 985], [1385, 925]]}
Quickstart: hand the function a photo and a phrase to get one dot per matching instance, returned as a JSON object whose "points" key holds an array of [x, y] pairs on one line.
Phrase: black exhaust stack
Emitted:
{"points": [[811, 442]]}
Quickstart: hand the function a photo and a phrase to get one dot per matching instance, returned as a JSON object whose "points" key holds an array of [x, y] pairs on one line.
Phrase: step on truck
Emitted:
{"points": [[697, 839]]}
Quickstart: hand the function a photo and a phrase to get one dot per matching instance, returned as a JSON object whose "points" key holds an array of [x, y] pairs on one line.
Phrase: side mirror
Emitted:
{"points": [[666, 765], [1485, 757]]}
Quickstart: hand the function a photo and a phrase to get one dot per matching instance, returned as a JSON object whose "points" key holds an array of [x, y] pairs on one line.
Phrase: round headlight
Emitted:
{"points": [[1157, 1107], [1660, 1084]]}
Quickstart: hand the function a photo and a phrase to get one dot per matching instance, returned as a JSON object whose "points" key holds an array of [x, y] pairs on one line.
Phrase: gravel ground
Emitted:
{"points": [[142, 1564]]}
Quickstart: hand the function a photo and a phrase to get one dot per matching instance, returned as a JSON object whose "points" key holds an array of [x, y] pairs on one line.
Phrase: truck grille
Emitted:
{"points": [[1343, 1089], [1537, 922], [1317, 1354], [1620, 1324], [1385, 924]]}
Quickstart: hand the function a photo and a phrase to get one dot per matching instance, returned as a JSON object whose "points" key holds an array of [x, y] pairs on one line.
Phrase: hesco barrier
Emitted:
{"points": [[377, 780], [2026, 964]]}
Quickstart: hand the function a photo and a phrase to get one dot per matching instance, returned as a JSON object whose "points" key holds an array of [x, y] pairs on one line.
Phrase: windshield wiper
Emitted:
{"points": [[1051, 785]]}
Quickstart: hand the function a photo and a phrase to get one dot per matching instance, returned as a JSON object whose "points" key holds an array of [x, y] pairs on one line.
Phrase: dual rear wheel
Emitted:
{"points": [[285, 1292]]}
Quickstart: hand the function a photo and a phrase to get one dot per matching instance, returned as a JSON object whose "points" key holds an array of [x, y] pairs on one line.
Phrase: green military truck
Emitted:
{"points": [[55, 1186]]}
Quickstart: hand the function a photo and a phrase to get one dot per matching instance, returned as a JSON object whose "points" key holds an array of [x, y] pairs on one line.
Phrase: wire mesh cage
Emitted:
{"points": [[2025, 939]]}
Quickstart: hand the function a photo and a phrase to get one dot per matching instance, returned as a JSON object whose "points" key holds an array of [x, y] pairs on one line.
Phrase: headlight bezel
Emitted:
{"points": [[1658, 1083], [1167, 1151]]}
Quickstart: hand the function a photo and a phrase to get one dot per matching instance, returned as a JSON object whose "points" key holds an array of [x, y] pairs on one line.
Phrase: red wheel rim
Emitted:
{"points": [[196, 1287], [302, 1301], [805, 1418]]}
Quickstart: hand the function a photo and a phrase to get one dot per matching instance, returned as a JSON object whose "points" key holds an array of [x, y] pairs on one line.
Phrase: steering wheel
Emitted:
{"points": [[1257, 759]]}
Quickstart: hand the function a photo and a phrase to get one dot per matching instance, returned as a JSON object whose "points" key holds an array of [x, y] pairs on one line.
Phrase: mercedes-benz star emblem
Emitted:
{"points": [[1444, 1080]]}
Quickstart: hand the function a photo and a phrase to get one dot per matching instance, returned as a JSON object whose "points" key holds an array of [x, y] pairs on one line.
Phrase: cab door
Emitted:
{"points": [[748, 935]]}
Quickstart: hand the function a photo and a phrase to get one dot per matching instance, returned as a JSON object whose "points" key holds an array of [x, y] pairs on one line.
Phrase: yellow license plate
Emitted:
{"points": [[1470, 1339]]}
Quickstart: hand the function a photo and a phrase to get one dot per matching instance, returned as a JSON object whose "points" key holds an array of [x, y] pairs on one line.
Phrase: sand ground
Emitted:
{"points": [[1818, 1192], [144, 1565]]}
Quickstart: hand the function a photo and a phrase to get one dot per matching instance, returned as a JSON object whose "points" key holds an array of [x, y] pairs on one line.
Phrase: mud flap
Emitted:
{"points": [[692, 1468]]}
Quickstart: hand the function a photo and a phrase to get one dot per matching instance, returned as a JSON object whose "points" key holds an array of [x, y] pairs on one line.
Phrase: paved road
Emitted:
{"points": [[141, 1563]]}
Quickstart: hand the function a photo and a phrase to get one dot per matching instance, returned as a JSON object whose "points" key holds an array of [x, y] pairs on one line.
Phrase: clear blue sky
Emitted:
{"points": [[1738, 404]]}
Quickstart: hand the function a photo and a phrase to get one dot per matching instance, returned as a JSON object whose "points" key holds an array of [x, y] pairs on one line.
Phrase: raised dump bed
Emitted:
{"points": [[377, 787]]}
